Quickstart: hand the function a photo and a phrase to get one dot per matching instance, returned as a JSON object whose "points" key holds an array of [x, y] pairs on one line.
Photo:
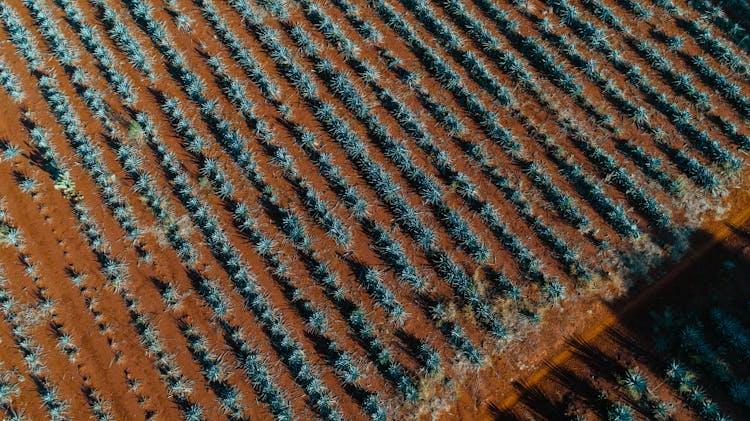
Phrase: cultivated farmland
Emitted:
{"points": [[343, 209]]}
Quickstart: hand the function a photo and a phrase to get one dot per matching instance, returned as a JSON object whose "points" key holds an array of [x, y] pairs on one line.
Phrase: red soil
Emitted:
{"points": [[96, 316]]}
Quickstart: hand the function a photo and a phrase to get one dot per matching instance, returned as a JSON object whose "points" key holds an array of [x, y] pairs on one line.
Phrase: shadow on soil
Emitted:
{"points": [[649, 336]]}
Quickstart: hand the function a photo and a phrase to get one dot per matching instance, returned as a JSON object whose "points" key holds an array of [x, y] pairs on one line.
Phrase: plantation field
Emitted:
{"points": [[373, 209]]}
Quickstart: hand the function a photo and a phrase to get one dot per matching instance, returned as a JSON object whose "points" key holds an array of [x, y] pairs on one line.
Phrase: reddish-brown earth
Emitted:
{"points": [[112, 358]]}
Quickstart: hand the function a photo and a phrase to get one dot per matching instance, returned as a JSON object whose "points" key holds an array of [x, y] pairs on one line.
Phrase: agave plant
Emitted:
{"points": [[10, 82], [620, 412], [20, 36], [9, 387]]}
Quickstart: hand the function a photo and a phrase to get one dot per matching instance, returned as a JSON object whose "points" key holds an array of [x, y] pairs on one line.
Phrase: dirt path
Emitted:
{"points": [[717, 232]]}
